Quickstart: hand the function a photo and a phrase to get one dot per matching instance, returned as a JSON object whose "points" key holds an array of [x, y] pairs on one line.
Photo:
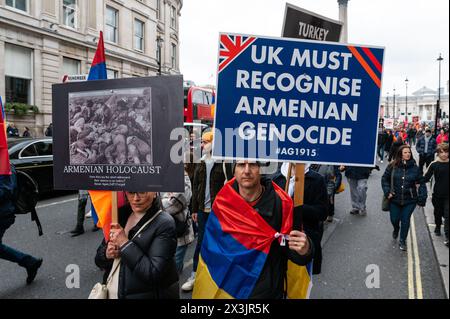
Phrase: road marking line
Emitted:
{"points": [[411, 288], [57, 203], [419, 289]]}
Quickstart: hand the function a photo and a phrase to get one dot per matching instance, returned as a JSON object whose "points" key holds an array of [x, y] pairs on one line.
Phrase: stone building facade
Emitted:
{"points": [[43, 40], [421, 103]]}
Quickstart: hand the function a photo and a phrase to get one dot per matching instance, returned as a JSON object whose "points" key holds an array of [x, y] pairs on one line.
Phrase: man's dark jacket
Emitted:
{"points": [[313, 213], [216, 182], [357, 173], [432, 145]]}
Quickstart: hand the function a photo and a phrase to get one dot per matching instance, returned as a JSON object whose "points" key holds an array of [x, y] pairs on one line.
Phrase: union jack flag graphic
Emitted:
{"points": [[231, 46]]}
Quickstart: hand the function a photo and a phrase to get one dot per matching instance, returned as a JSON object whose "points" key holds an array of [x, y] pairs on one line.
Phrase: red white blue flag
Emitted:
{"points": [[101, 200], [231, 46], [98, 67]]}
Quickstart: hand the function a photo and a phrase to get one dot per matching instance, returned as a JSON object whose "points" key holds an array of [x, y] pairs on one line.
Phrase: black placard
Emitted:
{"points": [[115, 134], [303, 24]]}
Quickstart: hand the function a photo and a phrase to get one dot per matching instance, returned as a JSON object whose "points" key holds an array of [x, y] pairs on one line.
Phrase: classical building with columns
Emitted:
{"points": [[43, 40], [421, 103]]}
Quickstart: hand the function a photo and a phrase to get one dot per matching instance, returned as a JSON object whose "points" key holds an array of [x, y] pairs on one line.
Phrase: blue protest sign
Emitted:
{"points": [[298, 101]]}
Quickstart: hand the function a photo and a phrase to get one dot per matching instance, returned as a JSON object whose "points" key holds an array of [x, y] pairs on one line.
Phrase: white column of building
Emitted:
{"points": [[50, 70], [2, 70]]}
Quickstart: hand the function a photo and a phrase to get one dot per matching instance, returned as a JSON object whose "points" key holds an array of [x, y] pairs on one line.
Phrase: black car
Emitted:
{"points": [[34, 156]]}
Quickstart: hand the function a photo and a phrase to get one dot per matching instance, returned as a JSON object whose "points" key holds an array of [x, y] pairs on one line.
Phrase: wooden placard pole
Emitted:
{"points": [[114, 211], [299, 185], [288, 178], [299, 191], [299, 188]]}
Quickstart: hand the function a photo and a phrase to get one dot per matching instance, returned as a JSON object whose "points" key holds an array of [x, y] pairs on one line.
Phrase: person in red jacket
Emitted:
{"points": [[442, 137]]}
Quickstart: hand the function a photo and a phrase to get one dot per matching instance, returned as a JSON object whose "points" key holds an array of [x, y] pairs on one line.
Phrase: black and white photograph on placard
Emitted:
{"points": [[118, 135], [111, 127]]}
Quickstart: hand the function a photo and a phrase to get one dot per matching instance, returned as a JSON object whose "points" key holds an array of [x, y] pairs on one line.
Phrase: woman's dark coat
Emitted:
{"points": [[147, 268]]}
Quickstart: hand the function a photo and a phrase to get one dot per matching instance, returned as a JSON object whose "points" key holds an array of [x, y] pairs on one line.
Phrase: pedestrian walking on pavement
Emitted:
{"points": [[333, 180], [412, 132], [404, 135], [404, 196], [439, 170], [389, 142], [139, 258], [209, 178], [83, 197], [177, 205], [49, 130], [394, 148], [8, 195], [12, 130], [442, 137], [419, 134], [26, 132], [357, 178], [382, 138], [426, 147]]}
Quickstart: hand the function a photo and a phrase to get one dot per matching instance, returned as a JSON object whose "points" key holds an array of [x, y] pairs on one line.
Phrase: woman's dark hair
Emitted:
{"points": [[156, 202], [399, 155], [443, 147]]}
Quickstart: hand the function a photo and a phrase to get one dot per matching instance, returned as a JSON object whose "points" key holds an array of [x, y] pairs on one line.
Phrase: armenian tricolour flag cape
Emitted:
{"points": [[235, 246]]}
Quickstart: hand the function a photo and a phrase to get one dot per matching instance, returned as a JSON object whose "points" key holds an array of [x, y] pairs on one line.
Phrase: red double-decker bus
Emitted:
{"points": [[199, 104]]}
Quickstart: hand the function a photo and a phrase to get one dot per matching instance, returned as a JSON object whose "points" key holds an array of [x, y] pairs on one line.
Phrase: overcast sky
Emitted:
{"points": [[413, 32]]}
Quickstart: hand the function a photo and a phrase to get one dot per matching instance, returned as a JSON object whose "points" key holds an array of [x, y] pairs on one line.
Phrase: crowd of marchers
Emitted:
{"points": [[145, 252]]}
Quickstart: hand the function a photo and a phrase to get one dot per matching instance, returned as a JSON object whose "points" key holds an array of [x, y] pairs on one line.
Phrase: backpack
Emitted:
{"points": [[181, 226], [26, 198], [174, 209]]}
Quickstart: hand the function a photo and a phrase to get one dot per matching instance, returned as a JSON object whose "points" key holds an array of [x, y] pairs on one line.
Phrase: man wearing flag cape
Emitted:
{"points": [[250, 250]]}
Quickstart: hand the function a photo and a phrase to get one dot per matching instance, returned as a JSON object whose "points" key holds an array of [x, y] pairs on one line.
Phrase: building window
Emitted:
{"points": [[158, 9], [112, 74], [174, 56], [173, 17], [18, 4], [18, 74], [71, 66], [139, 35], [70, 13], [17, 90], [112, 23]]}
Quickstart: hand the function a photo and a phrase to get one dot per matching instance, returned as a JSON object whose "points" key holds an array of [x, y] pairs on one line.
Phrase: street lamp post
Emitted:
{"points": [[159, 42], [438, 104], [406, 110], [393, 113], [387, 104]]}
